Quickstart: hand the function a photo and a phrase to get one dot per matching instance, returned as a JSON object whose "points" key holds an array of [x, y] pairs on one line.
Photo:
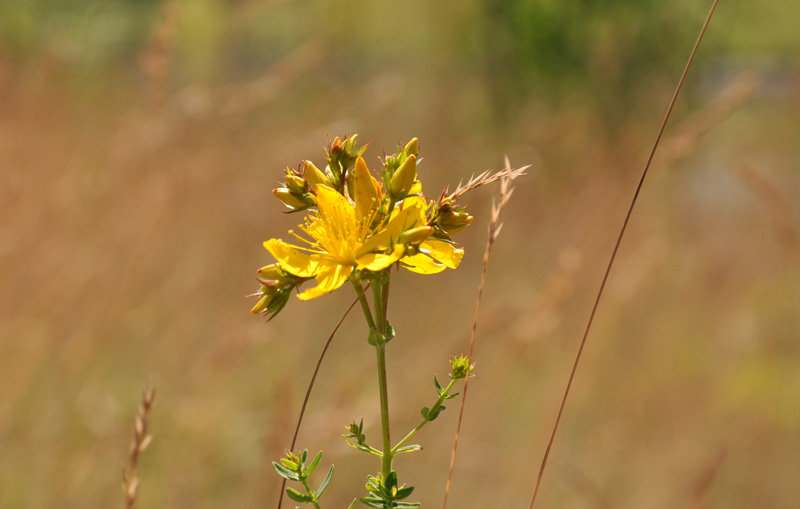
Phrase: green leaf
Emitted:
{"points": [[298, 497], [373, 502], [451, 396], [286, 474], [313, 465], [389, 332], [403, 493], [425, 413], [365, 448], [437, 384], [353, 504], [304, 457], [391, 481], [325, 482], [408, 448], [435, 413], [374, 337]]}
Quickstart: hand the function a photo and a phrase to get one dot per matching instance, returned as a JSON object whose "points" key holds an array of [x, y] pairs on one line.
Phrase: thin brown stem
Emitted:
{"points": [[494, 230], [308, 391], [614, 252]]}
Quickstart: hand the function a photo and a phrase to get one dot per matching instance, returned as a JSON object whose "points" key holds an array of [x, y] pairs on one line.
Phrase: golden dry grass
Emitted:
{"points": [[130, 230]]}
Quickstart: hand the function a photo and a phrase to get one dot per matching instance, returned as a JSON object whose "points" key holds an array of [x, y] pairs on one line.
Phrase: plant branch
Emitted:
{"points": [[424, 421]]}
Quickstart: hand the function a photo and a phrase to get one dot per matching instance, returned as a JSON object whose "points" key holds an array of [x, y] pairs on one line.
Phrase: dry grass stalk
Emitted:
{"points": [[141, 439], [487, 177], [506, 177], [613, 257]]}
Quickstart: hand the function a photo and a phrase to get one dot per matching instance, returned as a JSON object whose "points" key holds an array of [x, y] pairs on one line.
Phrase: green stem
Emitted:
{"points": [[311, 493], [419, 426], [362, 298], [377, 299], [385, 299], [386, 459], [379, 303]]}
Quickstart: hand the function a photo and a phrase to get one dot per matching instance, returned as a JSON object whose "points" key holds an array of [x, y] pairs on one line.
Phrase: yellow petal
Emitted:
{"points": [[366, 190], [422, 264], [378, 261], [335, 207], [329, 279], [401, 221], [444, 252], [293, 260]]}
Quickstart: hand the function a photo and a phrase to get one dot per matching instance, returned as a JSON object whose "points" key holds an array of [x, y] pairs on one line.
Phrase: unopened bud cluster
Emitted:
{"points": [[448, 217], [461, 368], [298, 191], [276, 288]]}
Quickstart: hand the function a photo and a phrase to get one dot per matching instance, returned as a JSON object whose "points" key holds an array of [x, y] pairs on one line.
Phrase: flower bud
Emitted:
{"points": [[366, 191], [262, 304], [412, 147], [295, 184], [271, 272], [450, 218], [454, 222], [403, 178], [415, 235], [461, 368], [342, 153], [314, 176], [273, 299], [292, 200]]}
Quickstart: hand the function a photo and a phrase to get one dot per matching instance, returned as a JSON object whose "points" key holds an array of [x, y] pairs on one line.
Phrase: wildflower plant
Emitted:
{"points": [[358, 226]]}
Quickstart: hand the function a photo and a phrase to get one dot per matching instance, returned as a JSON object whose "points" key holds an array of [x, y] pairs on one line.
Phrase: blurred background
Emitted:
{"points": [[139, 142]]}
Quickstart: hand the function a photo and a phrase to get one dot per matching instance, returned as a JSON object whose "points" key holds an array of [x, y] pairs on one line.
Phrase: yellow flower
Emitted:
{"points": [[362, 234], [431, 255], [343, 239]]}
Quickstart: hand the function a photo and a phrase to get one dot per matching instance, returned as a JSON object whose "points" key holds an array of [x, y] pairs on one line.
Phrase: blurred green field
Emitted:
{"points": [[139, 142]]}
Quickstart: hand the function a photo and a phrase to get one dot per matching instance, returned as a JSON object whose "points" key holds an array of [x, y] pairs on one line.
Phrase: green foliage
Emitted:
{"points": [[387, 495], [355, 431], [552, 48], [293, 468]]}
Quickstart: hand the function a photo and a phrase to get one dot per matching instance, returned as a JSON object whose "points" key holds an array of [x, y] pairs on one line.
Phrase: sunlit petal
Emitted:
{"points": [[400, 222], [422, 264], [444, 252], [328, 280], [377, 261], [333, 206], [293, 260]]}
